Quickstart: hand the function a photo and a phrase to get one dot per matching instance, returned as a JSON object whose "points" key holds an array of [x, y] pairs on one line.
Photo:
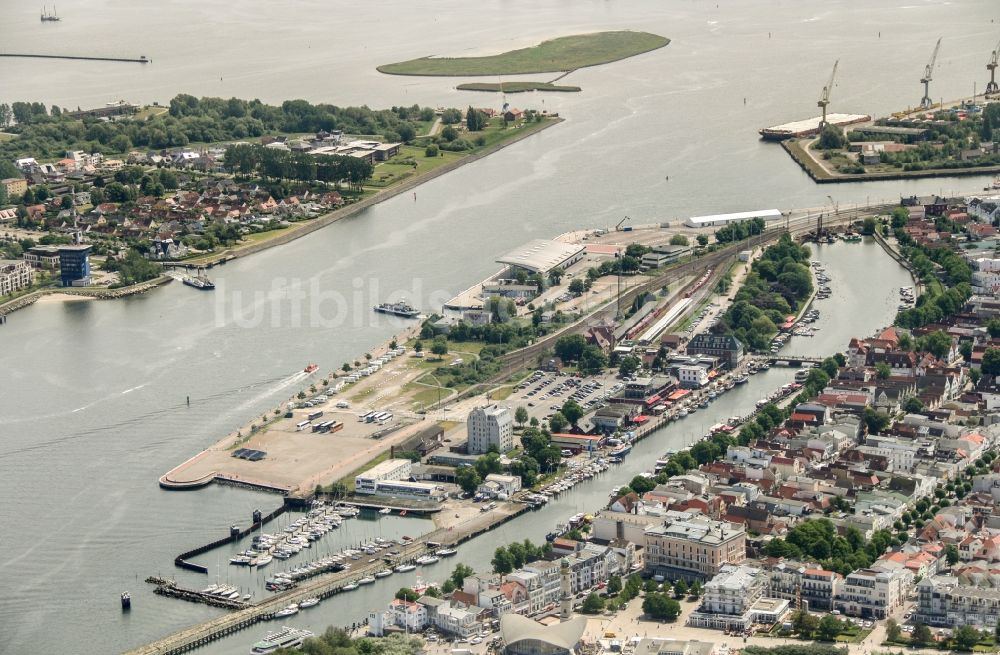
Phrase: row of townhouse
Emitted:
{"points": [[535, 588], [943, 601], [446, 616]]}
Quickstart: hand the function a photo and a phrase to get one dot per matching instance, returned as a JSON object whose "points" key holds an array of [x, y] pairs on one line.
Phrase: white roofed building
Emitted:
{"points": [[543, 255], [718, 220]]}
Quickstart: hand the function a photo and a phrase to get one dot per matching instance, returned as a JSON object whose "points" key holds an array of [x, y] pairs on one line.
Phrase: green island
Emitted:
{"points": [[561, 54], [955, 140], [516, 87]]}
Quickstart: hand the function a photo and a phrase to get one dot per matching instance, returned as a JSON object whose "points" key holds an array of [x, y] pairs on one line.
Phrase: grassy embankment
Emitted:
{"points": [[561, 55], [411, 162]]}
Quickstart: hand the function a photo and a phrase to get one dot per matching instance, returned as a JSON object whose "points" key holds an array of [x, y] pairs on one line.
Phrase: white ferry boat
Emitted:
{"points": [[284, 638]]}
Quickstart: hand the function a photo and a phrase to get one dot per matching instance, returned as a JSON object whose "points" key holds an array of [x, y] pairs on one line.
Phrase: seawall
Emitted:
{"points": [[99, 293]]}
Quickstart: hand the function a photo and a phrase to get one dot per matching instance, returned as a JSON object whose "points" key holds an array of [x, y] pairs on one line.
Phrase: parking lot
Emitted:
{"points": [[543, 394]]}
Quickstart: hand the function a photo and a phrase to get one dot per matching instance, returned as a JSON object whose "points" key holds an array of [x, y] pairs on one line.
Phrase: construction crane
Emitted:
{"points": [[925, 102], [824, 97], [992, 68], [618, 311]]}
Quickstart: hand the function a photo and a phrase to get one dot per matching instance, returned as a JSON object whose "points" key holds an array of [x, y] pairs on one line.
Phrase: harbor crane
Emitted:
{"points": [[925, 102], [824, 97], [992, 68]]}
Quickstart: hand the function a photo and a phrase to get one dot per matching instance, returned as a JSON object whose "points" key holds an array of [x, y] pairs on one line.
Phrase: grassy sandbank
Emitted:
{"points": [[562, 54]]}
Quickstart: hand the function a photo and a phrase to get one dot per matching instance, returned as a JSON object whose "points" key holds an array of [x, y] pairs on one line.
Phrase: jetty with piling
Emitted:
{"points": [[142, 59], [322, 587]]}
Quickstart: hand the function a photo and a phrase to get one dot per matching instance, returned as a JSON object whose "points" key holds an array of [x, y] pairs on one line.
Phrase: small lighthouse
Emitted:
{"points": [[566, 602]]}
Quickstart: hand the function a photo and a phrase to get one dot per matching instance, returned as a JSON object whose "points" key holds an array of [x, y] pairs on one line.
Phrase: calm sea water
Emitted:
{"points": [[92, 400]]}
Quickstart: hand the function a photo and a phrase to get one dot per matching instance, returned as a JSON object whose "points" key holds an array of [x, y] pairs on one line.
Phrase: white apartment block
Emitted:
{"points": [[901, 452], [873, 593], [692, 376], [941, 601], [15, 275], [490, 426], [735, 599]]}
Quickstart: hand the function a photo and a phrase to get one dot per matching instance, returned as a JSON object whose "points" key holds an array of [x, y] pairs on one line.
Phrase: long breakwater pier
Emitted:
{"points": [[322, 587], [142, 59]]}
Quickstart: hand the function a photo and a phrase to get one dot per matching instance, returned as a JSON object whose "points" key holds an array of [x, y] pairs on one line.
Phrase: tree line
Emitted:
{"points": [[48, 134], [935, 302], [817, 539], [275, 163]]}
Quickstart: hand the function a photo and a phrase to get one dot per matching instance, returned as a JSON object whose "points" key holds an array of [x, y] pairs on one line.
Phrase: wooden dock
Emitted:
{"points": [[170, 588], [323, 587]]}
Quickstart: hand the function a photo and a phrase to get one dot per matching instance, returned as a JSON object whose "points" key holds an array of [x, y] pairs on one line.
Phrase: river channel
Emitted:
{"points": [[861, 275]]}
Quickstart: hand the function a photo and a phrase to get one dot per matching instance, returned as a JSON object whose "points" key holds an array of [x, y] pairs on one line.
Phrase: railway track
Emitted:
{"points": [[517, 359]]}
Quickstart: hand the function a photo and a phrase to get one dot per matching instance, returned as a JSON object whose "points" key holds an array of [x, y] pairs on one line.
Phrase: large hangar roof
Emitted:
{"points": [[541, 255]]}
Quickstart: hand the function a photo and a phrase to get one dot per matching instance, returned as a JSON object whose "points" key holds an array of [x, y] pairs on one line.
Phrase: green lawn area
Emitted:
{"points": [[561, 54], [425, 395], [262, 236], [7, 136], [396, 170], [854, 635], [515, 87], [150, 111], [502, 393]]}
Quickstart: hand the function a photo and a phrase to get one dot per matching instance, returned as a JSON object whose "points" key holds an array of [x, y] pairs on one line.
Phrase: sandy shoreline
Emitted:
{"points": [[62, 297]]}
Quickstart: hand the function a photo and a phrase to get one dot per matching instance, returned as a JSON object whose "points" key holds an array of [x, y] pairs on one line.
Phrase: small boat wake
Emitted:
{"points": [[273, 385]]}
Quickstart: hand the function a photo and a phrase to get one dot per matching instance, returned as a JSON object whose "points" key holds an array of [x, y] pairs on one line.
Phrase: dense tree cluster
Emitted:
{"points": [[336, 641], [831, 138], [590, 359], [133, 268], [247, 159], [777, 283], [739, 231], [935, 303], [194, 120], [514, 556], [795, 649], [818, 539], [537, 444]]}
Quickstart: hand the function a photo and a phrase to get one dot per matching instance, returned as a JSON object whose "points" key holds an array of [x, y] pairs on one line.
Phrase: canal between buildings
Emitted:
{"points": [[93, 394], [862, 277]]}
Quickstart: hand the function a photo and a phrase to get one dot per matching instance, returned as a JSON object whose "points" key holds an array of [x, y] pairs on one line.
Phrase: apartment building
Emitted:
{"points": [[793, 582], [941, 601], [534, 587], [872, 593], [15, 275], [491, 426], [692, 547], [735, 599]]}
